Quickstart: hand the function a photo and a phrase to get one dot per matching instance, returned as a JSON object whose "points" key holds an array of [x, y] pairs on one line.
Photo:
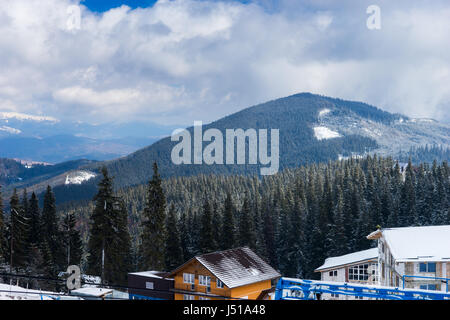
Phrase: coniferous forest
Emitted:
{"points": [[294, 219]]}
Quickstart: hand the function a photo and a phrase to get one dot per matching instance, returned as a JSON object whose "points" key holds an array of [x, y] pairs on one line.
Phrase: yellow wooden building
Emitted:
{"points": [[230, 274]]}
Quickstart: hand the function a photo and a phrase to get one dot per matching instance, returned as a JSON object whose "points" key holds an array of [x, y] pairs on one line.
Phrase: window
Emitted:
{"points": [[427, 267], [204, 280], [333, 273], [363, 271], [334, 295], [428, 287], [149, 285], [189, 278], [358, 273], [188, 297], [203, 298], [219, 284]]}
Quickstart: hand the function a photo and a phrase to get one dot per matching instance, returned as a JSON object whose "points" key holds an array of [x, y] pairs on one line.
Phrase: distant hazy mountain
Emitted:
{"points": [[47, 139], [312, 128]]}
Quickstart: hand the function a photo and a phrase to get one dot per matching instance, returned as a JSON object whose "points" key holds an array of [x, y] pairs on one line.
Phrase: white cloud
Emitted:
{"points": [[186, 60]]}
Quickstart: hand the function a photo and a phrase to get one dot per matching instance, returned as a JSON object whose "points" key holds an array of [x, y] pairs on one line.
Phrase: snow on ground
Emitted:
{"points": [[10, 130], [322, 133], [78, 177], [324, 112], [9, 292]]}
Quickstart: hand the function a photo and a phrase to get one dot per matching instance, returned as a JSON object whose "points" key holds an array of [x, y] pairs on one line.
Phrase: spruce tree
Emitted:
{"points": [[50, 231], [228, 240], [2, 230], [109, 245], [247, 235], [153, 225], [174, 251], [73, 246], [17, 233], [207, 240], [35, 221]]}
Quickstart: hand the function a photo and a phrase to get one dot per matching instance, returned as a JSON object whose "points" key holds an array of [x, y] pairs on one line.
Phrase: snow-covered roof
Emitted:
{"points": [[10, 292], [91, 292], [430, 243], [151, 274], [236, 267], [350, 258]]}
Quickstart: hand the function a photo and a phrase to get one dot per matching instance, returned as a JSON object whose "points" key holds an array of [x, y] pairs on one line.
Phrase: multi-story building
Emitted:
{"points": [[230, 274], [358, 267], [419, 256]]}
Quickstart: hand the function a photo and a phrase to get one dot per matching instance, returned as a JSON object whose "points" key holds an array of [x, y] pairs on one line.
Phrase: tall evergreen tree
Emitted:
{"points": [[109, 245], [17, 233], [72, 240], [154, 234], [174, 251], [50, 231], [207, 240], [2, 230], [247, 234], [228, 240], [35, 221]]}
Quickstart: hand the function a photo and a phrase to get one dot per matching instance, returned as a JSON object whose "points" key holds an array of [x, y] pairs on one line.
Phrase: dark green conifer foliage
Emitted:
{"points": [[174, 252], [73, 246], [229, 228], [207, 239], [247, 234], [153, 224], [50, 231], [17, 233], [2, 230], [35, 221]]}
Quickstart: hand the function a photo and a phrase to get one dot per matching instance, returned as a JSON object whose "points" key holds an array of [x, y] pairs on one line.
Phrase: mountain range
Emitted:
{"points": [[312, 128], [46, 139]]}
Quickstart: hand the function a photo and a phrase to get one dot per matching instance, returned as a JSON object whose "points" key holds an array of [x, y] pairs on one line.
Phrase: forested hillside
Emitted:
{"points": [[297, 218]]}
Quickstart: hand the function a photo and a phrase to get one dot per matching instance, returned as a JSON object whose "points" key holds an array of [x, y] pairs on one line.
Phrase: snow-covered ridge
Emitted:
{"points": [[10, 130], [322, 133], [78, 177], [23, 116]]}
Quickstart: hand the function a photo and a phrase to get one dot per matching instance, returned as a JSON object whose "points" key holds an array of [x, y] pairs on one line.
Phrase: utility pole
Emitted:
{"points": [[11, 253]]}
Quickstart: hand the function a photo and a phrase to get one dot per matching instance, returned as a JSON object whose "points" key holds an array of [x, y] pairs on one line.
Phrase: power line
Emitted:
{"points": [[116, 286]]}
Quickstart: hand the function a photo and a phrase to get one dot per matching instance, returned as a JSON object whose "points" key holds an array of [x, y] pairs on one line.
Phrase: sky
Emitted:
{"points": [[177, 61]]}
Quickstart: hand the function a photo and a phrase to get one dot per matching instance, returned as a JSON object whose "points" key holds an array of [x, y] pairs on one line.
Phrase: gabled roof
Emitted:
{"points": [[235, 267], [350, 258], [430, 243]]}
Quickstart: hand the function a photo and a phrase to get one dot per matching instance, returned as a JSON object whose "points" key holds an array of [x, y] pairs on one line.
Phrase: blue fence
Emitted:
{"points": [[299, 289]]}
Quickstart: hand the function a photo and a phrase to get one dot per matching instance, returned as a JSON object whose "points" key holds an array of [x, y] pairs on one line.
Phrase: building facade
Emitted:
{"points": [[150, 285], [230, 274], [359, 267], [414, 257]]}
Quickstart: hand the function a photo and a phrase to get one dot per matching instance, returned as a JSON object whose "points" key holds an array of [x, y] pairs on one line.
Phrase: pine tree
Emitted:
{"points": [[73, 247], [247, 235], [207, 240], [2, 231], [154, 234], [109, 245], [50, 231], [17, 233], [174, 252], [35, 221], [216, 226], [228, 240]]}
